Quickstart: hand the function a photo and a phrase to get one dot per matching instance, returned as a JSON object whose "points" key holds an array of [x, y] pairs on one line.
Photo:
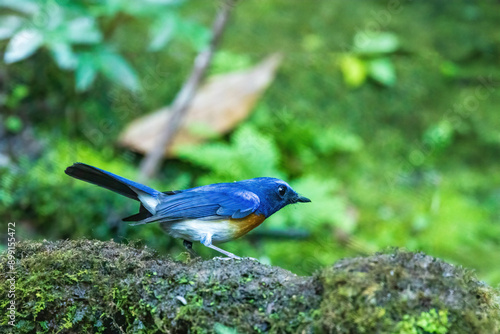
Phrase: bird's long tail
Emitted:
{"points": [[148, 197]]}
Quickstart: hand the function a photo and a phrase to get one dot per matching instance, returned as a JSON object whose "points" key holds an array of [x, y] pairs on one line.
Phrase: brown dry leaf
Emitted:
{"points": [[220, 105]]}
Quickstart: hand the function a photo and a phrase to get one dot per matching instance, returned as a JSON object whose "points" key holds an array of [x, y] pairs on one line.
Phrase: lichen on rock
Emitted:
{"points": [[93, 286]]}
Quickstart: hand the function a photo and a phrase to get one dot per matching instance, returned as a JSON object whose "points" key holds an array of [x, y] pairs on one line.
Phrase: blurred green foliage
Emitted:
{"points": [[369, 59], [81, 35], [384, 113]]}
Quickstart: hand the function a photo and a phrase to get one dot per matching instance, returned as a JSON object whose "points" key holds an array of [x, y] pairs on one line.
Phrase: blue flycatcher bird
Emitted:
{"points": [[214, 213]]}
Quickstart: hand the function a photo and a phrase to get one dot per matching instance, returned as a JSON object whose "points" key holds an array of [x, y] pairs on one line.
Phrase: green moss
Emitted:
{"points": [[400, 293], [93, 286], [427, 322]]}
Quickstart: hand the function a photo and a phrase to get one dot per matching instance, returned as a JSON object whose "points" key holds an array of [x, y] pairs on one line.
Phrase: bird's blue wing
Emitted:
{"points": [[206, 203], [238, 204]]}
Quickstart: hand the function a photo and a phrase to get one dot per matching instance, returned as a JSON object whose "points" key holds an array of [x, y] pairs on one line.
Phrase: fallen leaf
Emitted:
{"points": [[222, 103]]}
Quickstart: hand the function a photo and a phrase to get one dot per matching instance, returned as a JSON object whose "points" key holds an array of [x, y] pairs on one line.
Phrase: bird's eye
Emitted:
{"points": [[281, 190]]}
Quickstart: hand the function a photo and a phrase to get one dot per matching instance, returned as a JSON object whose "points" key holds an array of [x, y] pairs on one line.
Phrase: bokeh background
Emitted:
{"points": [[384, 113]]}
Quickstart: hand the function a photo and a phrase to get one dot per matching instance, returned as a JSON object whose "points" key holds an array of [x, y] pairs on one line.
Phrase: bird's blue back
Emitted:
{"points": [[216, 201]]}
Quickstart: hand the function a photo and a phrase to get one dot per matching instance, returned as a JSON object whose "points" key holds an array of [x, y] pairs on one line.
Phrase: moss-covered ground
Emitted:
{"points": [[87, 286]]}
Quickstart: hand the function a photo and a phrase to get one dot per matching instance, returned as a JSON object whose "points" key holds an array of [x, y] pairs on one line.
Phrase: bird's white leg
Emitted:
{"points": [[206, 240]]}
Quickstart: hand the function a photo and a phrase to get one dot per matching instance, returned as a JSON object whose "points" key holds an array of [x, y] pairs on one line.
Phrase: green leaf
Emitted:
{"points": [[449, 69], [221, 329], [439, 135], [8, 25], [86, 72], [353, 69], [118, 70], [382, 70], [162, 32], [197, 35], [372, 43], [63, 55], [22, 45], [14, 124], [27, 7], [83, 30], [225, 61], [146, 8], [18, 94]]}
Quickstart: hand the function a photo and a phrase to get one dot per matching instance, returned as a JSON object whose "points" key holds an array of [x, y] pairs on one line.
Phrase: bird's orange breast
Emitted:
{"points": [[244, 225]]}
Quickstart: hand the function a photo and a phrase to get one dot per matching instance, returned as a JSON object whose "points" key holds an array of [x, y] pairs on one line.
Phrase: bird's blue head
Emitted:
{"points": [[274, 194]]}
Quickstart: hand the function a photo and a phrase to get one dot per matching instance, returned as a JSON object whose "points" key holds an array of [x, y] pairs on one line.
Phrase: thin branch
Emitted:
{"points": [[151, 162]]}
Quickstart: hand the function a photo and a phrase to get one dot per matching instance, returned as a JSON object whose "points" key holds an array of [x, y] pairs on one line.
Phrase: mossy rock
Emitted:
{"points": [[93, 286]]}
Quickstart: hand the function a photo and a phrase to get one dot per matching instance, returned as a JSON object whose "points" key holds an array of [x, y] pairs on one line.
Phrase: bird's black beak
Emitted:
{"points": [[303, 199]]}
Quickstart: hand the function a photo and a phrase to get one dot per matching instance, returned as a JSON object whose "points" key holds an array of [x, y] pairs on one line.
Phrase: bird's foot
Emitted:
{"points": [[236, 258], [225, 258], [190, 250]]}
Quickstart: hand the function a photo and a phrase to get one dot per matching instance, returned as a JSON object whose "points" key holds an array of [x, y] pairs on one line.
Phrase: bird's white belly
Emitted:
{"points": [[195, 230]]}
